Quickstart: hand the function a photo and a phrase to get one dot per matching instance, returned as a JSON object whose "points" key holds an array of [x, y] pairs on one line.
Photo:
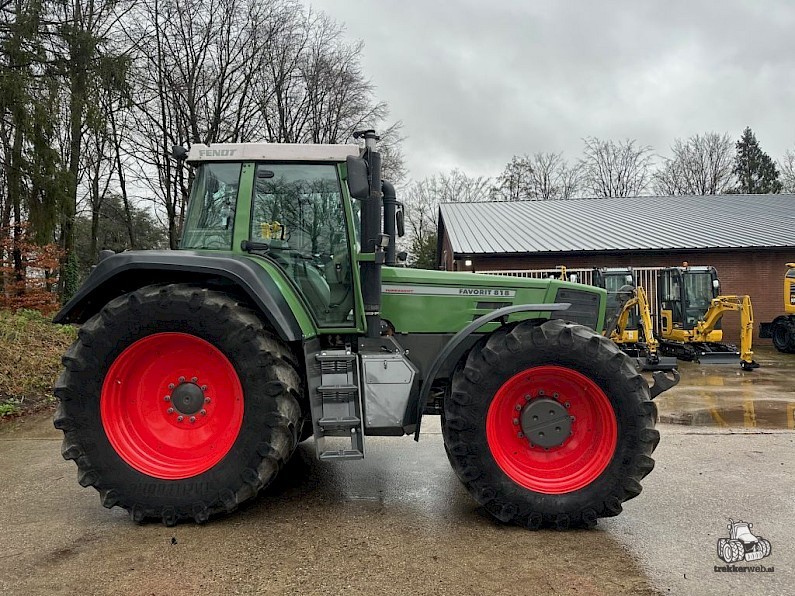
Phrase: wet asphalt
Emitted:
{"points": [[400, 522]]}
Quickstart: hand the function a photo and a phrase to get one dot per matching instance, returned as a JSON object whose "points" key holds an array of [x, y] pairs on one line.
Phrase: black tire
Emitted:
{"points": [[783, 334], [265, 368], [504, 354]]}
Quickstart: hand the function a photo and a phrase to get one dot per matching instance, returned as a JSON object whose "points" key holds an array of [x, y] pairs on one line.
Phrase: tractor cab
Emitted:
{"points": [[684, 295], [248, 198]]}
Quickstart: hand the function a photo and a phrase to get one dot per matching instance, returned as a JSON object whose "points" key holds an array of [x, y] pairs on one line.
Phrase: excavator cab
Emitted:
{"points": [[684, 295], [613, 279]]}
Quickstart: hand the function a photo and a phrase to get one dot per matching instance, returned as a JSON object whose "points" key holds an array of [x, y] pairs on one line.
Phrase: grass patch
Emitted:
{"points": [[30, 359]]}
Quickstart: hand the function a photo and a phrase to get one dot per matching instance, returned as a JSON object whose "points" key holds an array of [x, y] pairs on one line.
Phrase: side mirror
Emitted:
{"points": [[179, 153], [358, 182], [399, 219]]}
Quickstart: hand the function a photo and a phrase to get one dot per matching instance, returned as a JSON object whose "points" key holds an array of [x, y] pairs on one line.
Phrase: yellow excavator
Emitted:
{"points": [[629, 322], [782, 329], [690, 312]]}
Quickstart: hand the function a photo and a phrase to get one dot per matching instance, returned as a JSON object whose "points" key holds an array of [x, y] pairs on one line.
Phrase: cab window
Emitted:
{"points": [[297, 210], [211, 207]]}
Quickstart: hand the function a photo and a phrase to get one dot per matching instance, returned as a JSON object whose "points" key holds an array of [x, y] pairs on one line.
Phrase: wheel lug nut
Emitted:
{"points": [[540, 392], [567, 405], [518, 408], [193, 418], [516, 421], [204, 387], [171, 385], [207, 400], [572, 418], [528, 397], [194, 379], [555, 395], [181, 379], [203, 412], [167, 398], [180, 418], [520, 435], [170, 410]]}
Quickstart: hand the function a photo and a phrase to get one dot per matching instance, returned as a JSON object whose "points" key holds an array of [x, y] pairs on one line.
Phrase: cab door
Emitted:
{"points": [[299, 210]]}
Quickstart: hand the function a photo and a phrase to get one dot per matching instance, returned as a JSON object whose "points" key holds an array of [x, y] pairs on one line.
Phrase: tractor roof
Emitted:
{"points": [[270, 152]]}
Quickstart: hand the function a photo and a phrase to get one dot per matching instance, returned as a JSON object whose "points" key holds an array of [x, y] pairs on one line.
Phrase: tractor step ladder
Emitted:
{"points": [[336, 405]]}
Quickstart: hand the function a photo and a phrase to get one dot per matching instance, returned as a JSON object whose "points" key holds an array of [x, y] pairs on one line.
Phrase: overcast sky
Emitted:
{"points": [[477, 81]]}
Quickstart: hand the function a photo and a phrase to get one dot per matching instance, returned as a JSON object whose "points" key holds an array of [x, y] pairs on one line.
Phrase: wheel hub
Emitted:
{"points": [[545, 422], [187, 398]]}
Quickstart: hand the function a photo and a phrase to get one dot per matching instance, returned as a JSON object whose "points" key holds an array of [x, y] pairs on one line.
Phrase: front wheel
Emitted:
{"points": [[550, 425], [176, 403]]}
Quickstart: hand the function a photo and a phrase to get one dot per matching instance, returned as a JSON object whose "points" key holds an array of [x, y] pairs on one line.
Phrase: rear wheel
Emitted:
{"points": [[550, 425], [176, 403]]}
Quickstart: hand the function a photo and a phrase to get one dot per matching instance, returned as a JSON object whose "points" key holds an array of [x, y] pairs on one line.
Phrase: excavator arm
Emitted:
{"points": [[629, 298], [645, 320], [717, 308]]}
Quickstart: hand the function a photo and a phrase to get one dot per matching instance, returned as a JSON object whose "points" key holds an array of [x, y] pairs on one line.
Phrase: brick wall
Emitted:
{"points": [[759, 273]]}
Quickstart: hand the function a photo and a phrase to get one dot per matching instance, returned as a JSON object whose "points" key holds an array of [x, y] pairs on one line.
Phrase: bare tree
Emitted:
{"points": [[542, 176], [422, 201], [393, 167], [615, 169], [701, 165], [243, 71], [787, 166]]}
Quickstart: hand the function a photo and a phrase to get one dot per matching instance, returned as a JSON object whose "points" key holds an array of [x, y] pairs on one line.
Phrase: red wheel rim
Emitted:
{"points": [[143, 424], [575, 463]]}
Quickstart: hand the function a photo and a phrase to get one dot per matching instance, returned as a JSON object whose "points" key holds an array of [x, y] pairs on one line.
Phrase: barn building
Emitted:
{"points": [[747, 238]]}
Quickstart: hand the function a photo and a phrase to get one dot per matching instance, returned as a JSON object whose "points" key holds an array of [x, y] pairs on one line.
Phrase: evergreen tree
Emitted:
{"points": [[423, 252], [755, 171]]}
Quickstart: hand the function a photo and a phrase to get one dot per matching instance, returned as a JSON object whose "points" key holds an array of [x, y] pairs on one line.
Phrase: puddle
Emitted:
{"points": [[725, 396]]}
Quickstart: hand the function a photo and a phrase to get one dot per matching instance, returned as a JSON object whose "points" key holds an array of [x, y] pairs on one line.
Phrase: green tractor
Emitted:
{"points": [[286, 315]]}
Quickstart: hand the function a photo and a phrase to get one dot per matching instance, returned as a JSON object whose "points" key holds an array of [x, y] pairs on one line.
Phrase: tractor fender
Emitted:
{"points": [[128, 271], [450, 348]]}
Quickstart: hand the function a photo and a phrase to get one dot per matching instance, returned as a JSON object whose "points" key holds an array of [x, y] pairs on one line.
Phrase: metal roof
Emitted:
{"points": [[270, 152], [640, 223]]}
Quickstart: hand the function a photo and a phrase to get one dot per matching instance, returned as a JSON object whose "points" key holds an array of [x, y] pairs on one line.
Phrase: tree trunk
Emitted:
{"points": [[15, 200], [96, 205], [122, 181]]}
